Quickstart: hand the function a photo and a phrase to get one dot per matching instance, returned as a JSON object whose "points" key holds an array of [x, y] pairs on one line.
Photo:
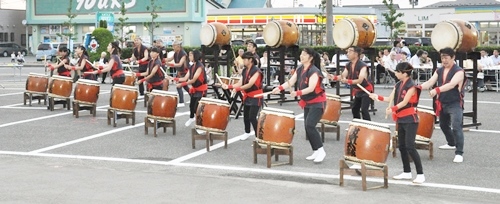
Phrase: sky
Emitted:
{"points": [[313, 3]]}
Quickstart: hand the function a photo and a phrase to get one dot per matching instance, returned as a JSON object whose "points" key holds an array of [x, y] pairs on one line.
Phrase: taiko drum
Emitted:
{"points": [[123, 97], [162, 104], [281, 33], [367, 140], [212, 114], [215, 34], [37, 83], [457, 34], [357, 31], [276, 125], [61, 86], [87, 91]]}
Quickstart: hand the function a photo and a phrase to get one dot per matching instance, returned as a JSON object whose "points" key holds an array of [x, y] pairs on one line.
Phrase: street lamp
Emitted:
{"points": [[413, 3]]}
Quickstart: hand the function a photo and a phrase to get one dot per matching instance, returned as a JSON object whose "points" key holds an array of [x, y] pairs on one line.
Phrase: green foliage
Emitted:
{"points": [[391, 19], [150, 26], [103, 24], [121, 24], [103, 37], [321, 17]]}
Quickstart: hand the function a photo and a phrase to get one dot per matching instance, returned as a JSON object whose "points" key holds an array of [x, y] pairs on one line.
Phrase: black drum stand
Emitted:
{"points": [[276, 59]]}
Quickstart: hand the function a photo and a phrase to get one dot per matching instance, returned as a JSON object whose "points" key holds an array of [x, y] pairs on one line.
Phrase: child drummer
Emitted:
{"points": [[405, 96], [154, 73]]}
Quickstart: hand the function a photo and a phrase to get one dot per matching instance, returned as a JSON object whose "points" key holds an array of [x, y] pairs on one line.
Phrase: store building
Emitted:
{"points": [[12, 29]]}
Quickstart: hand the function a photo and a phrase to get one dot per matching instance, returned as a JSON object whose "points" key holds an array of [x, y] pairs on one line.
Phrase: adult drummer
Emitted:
{"points": [[114, 67], [449, 81], [197, 78], [141, 55], [252, 47], [63, 61], [250, 85], [356, 72], [181, 66], [154, 75], [307, 78], [82, 63]]}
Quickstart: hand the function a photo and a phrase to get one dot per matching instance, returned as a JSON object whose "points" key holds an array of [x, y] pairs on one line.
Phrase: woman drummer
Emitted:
{"points": [[82, 63], [251, 85], [197, 78], [406, 96], [114, 67], [153, 75], [307, 78], [63, 61]]}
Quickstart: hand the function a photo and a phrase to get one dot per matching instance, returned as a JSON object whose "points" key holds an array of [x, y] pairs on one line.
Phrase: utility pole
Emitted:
{"points": [[329, 22], [413, 3]]}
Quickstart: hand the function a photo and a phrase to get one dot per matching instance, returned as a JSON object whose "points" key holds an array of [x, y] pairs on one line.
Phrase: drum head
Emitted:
{"points": [[344, 34], [38, 75], [62, 78], [127, 73], [86, 81], [273, 34], [214, 101], [277, 110], [126, 87], [208, 35], [160, 92], [446, 34]]}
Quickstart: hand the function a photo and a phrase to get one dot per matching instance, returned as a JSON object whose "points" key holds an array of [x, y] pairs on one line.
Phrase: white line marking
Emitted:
{"points": [[12, 105], [245, 169], [485, 131], [27, 108], [203, 151], [10, 94], [299, 116]]}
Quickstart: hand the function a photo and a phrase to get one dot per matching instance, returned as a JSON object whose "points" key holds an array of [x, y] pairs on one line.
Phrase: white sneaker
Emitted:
{"points": [[245, 136], [180, 105], [419, 179], [313, 156], [189, 122], [252, 133], [458, 159], [320, 156], [404, 175], [447, 147]]}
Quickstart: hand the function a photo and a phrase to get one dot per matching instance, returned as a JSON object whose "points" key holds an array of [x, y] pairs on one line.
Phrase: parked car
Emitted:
{"points": [[48, 50], [237, 42], [75, 44], [8, 48], [422, 40], [260, 42]]}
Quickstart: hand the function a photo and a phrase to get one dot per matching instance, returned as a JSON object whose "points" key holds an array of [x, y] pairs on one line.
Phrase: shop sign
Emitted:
{"points": [[88, 6]]}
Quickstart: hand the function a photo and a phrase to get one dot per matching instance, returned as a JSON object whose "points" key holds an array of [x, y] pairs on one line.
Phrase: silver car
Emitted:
{"points": [[46, 50]]}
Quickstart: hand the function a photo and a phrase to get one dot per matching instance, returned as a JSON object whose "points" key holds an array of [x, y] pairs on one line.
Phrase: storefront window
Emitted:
{"points": [[483, 24], [414, 33], [428, 33], [493, 24], [414, 26], [88, 29], [430, 25]]}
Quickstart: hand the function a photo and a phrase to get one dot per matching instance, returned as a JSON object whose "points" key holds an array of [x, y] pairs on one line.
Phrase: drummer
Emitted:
{"points": [[406, 96], [154, 75], [312, 95], [114, 67], [82, 63], [197, 78], [63, 61], [250, 85], [181, 66], [141, 55]]}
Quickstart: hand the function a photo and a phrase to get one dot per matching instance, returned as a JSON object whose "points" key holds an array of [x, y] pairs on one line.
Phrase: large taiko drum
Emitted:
{"points": [[281, 32], [366, 140], [332, 109], [123, 97], [61, 86], [235, 80], [357, 31], [87, 91], [276, 125], [37, 83], [459, 35], [212, 114], [129, 78], [215, 34], [162, 104], [427, 119]]}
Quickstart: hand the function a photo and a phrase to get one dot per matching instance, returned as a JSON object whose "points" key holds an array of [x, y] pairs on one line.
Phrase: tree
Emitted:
{"points": [[70, 25], [391, 19], [150, 26], [321, 22], [122, 23]]}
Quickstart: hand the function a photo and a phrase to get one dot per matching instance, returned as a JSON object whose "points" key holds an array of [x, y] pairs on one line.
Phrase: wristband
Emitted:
{"points": [[419, 86], [138, 74], [171, 65], [281, 88], [99, 71], [380, 98], [299, 93], [139, 61], [335, 77], [73, 68], [230, 87], [438, 90], [184, 84], [101, 67], [394, 109], [349, 81], [237, 89], [176, 79]]}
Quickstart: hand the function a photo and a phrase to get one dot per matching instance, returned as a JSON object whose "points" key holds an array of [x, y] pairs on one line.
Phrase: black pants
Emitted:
{"points": [[142, 68], [250, 116], [181, 94], [193, 105], [361, 101], [103, 77], [406, 141], [311, 119], [118, 80], [380, 70]]}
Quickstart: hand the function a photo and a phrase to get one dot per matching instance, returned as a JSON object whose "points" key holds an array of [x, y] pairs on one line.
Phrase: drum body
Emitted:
{"points": [[162, 104], [354, 32], [426, 121], [225, 80], [367, 140], [235, 80], [129, 78], [123, 97], [459, 35], [212, 114], [61, 86], [37, 83], [281, 32], [87, 91], [215, 34], [276, 125], [332, 109]]}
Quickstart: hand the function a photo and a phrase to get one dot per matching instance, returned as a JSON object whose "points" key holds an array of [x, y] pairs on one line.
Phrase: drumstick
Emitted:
{"points": [[263, 94], [220, 81], [391, 98], [363, 88], [90, 63]]}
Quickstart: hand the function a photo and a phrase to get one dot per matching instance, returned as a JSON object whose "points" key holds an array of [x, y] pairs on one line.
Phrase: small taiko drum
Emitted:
{"points": [[427, 119], [162, 104], [332, 109], [281, 32], [459, 35], [37, 83], [366, 140], [123, 97], [235, 80], [212, 114], [87, 91], [61, 86], [129, 78], [276, 125], [357, 31], [225, 80], [215, 34]]}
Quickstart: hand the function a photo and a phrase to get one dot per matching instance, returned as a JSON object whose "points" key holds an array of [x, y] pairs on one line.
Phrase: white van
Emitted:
{"points": [[259, 41]]}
